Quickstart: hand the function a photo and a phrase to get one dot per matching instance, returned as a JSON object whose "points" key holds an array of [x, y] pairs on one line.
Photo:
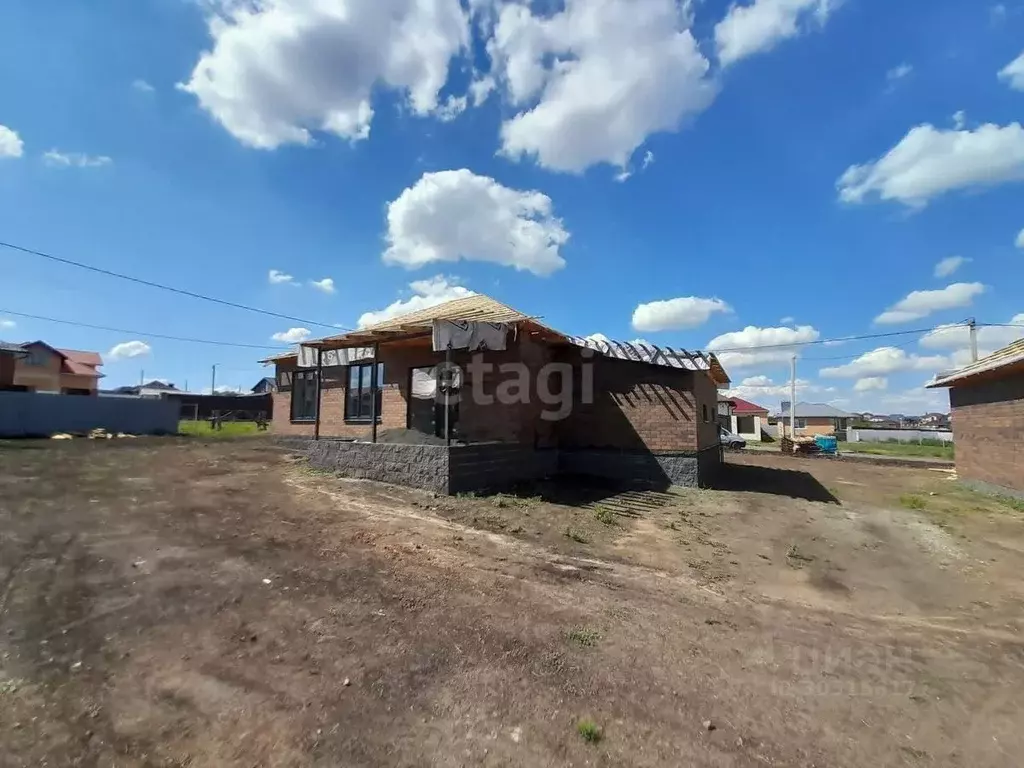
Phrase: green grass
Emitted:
{"points": [[579, 538], [589, 730], [604, 515], [931, 449], [910, 501], [585, 637], [228, 429]]}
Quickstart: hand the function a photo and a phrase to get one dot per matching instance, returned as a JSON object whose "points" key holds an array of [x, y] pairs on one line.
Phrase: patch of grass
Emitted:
{"points": [[589, 730], [579, 538], [605, 516], [910, 501], [585, 637], [1011, 502], [227, 429], [932, 449], [466, 495]]}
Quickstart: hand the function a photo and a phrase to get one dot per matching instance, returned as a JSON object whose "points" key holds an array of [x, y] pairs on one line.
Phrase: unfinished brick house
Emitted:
{"points": [[472, 394], [987, 403]]}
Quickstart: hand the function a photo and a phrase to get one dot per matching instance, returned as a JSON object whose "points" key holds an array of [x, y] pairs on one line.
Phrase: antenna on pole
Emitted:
{"points": [[792, 401]]}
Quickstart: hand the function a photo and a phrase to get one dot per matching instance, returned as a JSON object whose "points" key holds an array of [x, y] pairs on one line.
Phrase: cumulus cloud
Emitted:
{"points": [[755, 388], [1013, 73], [278, 70], [6, 322], [755, 346], [1020, 239], [930, 161], [292, 335], [884, 361], [57, 159], [128, 349], [326, 285], [990, 338], [426, 293], [142, 86], [594, 80], [761, 25], [920, 304], [871, 384], [11, 144], [452, 215], [277, 277], [675, 314], [949, 265]]}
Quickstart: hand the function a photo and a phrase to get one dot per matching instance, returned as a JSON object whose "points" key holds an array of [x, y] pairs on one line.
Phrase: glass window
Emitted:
{"points": [[304, 396], [359, 397], [801, 423]]}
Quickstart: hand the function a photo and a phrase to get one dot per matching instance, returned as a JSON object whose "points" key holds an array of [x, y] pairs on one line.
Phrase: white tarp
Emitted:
{"points": [[333, 357], [425, 380], [469, 334]]}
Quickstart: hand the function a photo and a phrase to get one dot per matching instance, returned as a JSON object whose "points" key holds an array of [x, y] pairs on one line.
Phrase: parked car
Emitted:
{"points": [[730, 440]]}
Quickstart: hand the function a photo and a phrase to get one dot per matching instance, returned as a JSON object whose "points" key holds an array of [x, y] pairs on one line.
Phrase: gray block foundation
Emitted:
{"points": [[493, 466]]}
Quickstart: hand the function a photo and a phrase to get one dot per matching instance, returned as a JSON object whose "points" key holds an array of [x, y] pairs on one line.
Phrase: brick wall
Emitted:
{"points": [[7, 365], [642, 407], [988, 427]]}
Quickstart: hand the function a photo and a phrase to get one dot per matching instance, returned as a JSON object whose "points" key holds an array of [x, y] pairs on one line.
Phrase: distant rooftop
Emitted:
{"points": [[817, 411]]}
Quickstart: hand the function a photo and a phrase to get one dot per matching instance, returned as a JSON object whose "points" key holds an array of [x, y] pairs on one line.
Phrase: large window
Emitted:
{"points": [[304, 396], [358, 393]]}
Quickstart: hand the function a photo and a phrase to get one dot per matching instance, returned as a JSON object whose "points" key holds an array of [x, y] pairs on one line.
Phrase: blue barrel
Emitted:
{"points": [[826, 443]]}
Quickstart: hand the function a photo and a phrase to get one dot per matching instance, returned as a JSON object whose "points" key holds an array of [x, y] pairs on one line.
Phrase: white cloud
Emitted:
{"points": [[949, 265], [452, 215], [599, 337], [899, 72], [279, 69], [142, 86], [871, 384], [480, 89], [675, 314], [11, 144], [277, 277], [1020, 239], [882, 362], [292, 335], [451, 108], [959, 119], [918, 399], [326, 285], [990, 337], [756, 388], [929, 162], [761, 25], [426, 293], [788, 320], [648, 160], [920, 304], [755, 346], [6, 322], [57, 159], [128, 349], [595, 79], [1013, 73]]}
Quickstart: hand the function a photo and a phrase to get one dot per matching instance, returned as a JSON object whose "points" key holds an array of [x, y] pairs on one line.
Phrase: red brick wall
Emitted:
{"points": [[988, 429], [639, 407], [7, 365]]}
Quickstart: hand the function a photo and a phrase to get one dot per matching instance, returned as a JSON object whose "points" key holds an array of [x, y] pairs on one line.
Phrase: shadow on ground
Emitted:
{"points": [[779, 482]]}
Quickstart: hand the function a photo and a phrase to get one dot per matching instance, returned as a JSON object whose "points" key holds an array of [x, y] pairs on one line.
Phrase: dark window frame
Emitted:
{"points": [[357, 407], [300, 380]]}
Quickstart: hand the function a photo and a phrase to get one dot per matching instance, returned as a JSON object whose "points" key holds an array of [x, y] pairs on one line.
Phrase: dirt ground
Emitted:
{"points": [[174, 602]]}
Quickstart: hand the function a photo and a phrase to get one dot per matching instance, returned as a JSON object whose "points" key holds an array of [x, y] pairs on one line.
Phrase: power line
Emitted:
{"points": [[839, 340], [144, 334], [161, 286]]}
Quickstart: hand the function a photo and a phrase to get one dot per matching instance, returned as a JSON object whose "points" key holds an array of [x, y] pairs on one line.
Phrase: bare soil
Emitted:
{"points": [[177, 602]]}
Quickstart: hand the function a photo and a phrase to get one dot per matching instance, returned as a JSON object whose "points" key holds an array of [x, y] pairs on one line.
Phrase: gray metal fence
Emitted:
{"points": [[32, 414]]}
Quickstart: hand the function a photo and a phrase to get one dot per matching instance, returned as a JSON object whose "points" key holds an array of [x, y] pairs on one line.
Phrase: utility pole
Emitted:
{"points": [[142, 376], [973, 326], [792, 401], [213, 380]]}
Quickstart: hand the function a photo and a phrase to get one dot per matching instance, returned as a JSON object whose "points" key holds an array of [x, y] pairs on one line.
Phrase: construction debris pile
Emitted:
{"points": [[94, 434]]}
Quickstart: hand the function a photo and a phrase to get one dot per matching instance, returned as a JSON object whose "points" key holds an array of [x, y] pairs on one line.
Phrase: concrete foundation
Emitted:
{"points": [[493, 466]]}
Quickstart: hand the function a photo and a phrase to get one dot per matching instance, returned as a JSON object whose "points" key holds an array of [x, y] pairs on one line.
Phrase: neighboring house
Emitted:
{"points": [[747, 419], [816, 419], [66, 371], [987, 402], [155, 388], [9, 356], [264, 385], [935, 421], [624, 412]]}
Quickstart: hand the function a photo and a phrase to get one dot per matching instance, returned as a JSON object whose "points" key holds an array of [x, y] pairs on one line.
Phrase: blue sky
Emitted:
{"points": [[774, 171]]}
